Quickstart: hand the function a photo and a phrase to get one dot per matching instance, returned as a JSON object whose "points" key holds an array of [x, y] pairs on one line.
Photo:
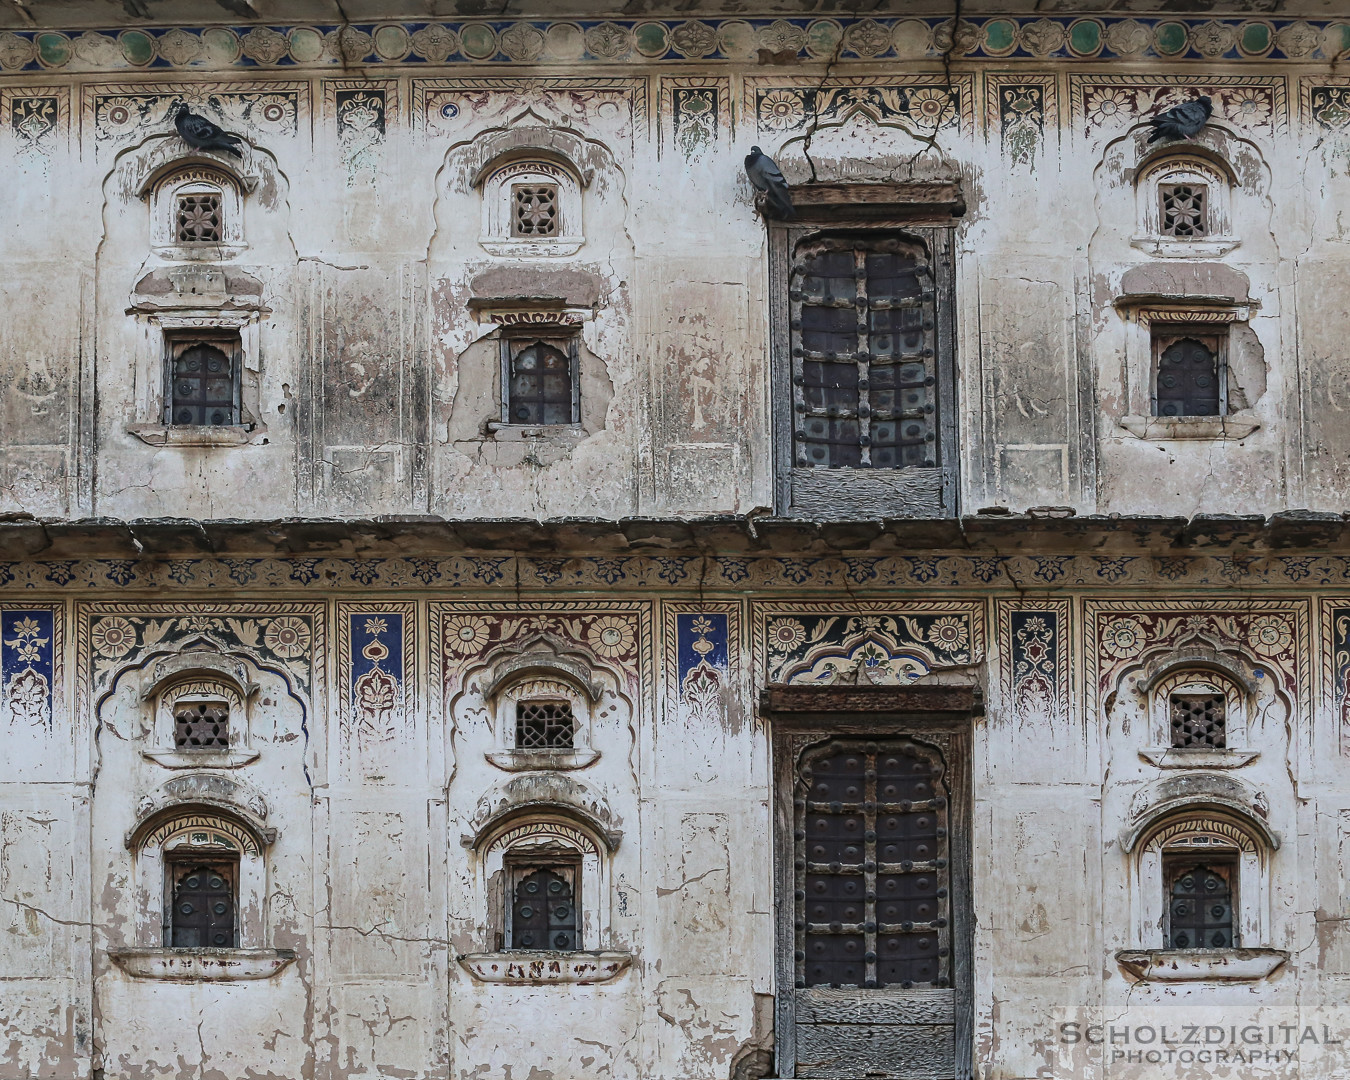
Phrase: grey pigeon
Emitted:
{"points": [[199, 132], [764, 174], [1183, 121]]}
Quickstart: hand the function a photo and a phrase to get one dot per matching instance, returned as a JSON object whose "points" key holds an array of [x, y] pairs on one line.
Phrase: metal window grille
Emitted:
{"points": [[541, 383], [544, 725], [1199, 721], [872, 868], [203, 386], [202, 907], [1192, 377], [1200, 905], [1184, 213], [534, 210], [201, 725], [543, 914], [864, 355], [200, 219]]}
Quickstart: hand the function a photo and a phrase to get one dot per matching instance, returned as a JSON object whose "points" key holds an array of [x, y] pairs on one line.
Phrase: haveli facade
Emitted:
{"points": [[479, 599]]}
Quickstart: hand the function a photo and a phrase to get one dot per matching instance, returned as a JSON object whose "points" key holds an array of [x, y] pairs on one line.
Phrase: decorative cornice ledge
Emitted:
{"points": [[1201, 965], [202, 965], [542, 968]]}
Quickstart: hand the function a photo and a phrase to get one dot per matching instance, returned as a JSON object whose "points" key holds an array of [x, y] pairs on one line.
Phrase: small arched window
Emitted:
{"points": [[541, 382], [542, 720], [197, 212], [203, 382], [1192, 374], [1183, 207], [531, 206], [1198, 717]]}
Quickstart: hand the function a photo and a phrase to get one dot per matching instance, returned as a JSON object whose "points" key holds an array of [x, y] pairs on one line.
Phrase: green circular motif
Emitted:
{"points": [[1000, 35], [392, 43], [737, 40], [53, 49], [477, 41], [1255, 38], [1170, 38], [1085, 37], [823, 37], [1335, 40], [138, 48], [565, 41], [650, 39], [306, 45]]}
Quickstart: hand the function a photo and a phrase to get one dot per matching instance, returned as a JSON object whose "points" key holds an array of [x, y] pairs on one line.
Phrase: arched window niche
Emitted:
{"points": [[1183, 205], [531, 203], [1201, 894], [196, 211], [200, 702], [541, 703], [1199, 705], [542, 868], [200, 882]]}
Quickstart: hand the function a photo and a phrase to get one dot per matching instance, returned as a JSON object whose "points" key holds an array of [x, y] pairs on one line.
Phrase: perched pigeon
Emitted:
{"points": [[199, 132], [1183, 121], [764, 174]]}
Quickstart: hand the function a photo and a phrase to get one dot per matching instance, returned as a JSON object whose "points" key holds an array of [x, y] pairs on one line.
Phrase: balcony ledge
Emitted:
{"points": [[202, 965], [1201, 965], [527, 968]]}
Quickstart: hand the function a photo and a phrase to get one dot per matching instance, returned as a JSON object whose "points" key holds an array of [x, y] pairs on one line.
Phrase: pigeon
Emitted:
{"points": [[1183, 121], [199, 132], [764, 174]]}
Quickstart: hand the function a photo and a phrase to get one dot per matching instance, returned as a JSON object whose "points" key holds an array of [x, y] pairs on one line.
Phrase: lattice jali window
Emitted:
{"points": [[202, 905], [864, 348], [534, 210], [201, 725], [543, 907], [872, 866], [199, 218], [1199, 721], [1191, 374], [544, 725], [1183, 210]]}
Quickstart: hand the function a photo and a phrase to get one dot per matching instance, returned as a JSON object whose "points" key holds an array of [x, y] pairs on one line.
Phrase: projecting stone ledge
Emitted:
{"points": [[1201, 965], [202, 965], [541, 968]]}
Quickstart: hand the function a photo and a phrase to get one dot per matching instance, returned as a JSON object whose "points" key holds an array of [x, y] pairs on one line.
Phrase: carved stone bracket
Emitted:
{"points": [[1201, 965]]}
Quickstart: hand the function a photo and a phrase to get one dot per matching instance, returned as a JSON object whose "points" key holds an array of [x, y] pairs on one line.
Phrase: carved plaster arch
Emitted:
{"points": [[202, 794], [546, 794]]}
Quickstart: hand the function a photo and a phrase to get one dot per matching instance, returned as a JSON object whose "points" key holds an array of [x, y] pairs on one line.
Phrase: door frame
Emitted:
{"points": [[801, 716]]}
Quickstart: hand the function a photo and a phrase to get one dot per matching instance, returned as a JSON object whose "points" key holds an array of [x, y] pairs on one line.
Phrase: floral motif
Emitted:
{"points": [[287, 636], [1270, 634], [1106, 104], [522, 42], [179, 47], [435, 43], [15, 51], [1298, 40], [28, 697], [466, 634], [930, 107], [785, 635], [97, 49], [949, 633], [611, 636], [1123, 637], [26, 643], [1128, 38], [781, 35], [608, 41], [377, 626], [868, 38], [1213, 39], [265, 45], [1247, 107], [694, 39], [118, 115], [113, 636], [781, 109], [274, 112], [1042, 37]]}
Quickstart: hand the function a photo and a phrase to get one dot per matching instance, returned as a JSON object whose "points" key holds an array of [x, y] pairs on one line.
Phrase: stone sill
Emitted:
{"points": [[1165, 248], [523, 760], [196, 434], [525, 249], [202, 965], [201, 759], [1201, 965], [530, 968], [1163, 428], [517, 432], [1168, 757]]}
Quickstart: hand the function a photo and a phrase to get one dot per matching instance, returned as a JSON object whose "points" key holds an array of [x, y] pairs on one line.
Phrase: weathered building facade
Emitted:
{"points": [[480, 599]]}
